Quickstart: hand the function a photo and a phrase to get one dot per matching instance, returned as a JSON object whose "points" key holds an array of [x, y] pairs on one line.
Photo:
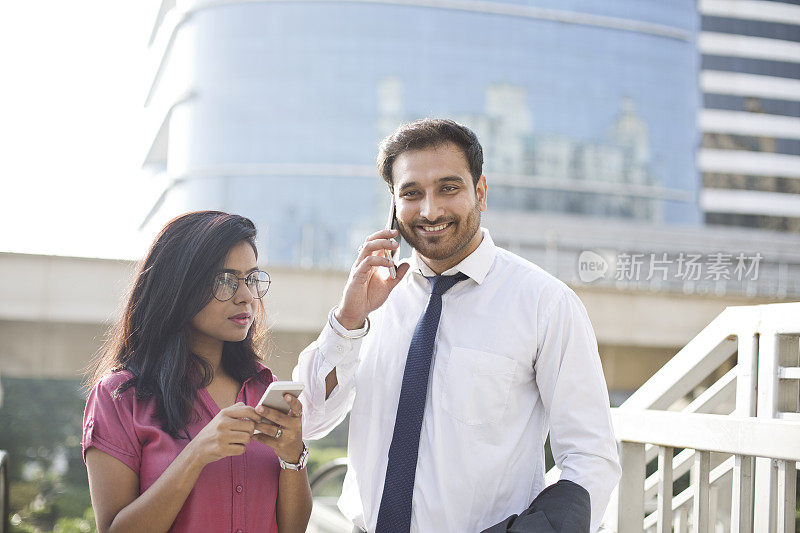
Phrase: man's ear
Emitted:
{"points": [[480, 192]]}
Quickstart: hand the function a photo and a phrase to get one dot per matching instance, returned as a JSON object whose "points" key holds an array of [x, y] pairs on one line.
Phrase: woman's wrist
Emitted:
{"points": [[291, 456], [295, 462]]}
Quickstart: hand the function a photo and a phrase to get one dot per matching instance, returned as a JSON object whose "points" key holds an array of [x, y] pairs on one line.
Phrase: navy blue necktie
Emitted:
{"points": [[394, 515]]}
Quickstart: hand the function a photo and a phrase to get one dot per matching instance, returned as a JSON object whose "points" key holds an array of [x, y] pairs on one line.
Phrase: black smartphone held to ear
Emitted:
{"points": [[390, 254]]}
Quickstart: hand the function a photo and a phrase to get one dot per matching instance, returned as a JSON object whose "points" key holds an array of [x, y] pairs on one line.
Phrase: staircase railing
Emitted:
{"points": [[729, 401]]}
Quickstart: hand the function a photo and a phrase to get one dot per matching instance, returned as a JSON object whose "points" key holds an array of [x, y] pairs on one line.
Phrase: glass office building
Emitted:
{"points": [[750, 78], [274, 109]]}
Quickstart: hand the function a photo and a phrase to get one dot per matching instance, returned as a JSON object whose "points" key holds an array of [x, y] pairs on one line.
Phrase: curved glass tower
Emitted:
{"points": [[274, 109]]}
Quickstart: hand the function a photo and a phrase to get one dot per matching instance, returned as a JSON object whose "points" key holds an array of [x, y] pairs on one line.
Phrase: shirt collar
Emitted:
{"points": [[476, 265], [262, 372]]}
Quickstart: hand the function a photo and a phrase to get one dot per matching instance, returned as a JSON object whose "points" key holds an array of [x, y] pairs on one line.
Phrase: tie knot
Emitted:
{"points": [[442, 284]]}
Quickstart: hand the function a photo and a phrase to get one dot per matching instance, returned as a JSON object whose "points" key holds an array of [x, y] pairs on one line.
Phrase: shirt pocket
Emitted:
{"points": [[477, 386]]}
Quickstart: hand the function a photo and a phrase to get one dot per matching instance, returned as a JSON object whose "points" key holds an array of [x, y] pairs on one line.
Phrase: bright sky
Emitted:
{"points": [[71, 113]]}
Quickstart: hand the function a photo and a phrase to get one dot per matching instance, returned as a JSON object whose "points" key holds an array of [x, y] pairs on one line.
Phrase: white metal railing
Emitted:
{"points": [[729, 401]]}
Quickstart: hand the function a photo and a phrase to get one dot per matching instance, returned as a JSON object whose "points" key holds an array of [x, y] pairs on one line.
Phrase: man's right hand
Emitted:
{"points": [[369, 283]]}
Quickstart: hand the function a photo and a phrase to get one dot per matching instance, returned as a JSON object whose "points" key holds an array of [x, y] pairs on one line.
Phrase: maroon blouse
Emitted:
{"points": [[236, 494]]}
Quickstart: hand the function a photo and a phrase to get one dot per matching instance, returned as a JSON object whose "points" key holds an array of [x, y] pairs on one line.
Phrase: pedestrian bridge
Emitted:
{"points": [[55, 311]]}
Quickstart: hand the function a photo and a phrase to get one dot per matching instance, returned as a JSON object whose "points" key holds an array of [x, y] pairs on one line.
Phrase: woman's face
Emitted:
{"points": [[230, 320]]}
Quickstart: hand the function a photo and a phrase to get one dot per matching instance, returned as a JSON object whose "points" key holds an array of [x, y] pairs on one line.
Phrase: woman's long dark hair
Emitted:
{"points": [[172, 285]]}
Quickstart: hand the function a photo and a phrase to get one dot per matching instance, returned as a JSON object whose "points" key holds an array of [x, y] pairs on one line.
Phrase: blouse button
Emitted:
{"points": [[239, 488], [239, 531]]}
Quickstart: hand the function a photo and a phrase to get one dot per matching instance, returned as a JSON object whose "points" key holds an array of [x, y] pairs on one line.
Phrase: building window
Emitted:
{"points": [[762, 67], [754, 105], [754, 221], [754, 28], [713, 180], [726, 141]]}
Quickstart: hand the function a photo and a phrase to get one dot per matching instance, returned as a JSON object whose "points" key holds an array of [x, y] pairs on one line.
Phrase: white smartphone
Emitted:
{"points": [[273, 397]]}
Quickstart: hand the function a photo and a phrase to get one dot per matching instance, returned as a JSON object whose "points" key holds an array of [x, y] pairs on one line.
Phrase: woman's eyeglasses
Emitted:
{"points": [[227, 283]]}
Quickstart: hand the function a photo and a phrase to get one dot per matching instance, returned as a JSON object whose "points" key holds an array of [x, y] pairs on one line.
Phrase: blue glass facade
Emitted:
{"points": [[589, 115]]}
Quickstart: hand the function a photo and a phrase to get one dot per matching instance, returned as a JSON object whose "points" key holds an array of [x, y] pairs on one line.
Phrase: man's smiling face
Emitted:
{"points": [[438, 207]]}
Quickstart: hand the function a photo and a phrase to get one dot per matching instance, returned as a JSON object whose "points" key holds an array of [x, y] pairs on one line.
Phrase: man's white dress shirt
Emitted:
{"points": [[515, 355]]}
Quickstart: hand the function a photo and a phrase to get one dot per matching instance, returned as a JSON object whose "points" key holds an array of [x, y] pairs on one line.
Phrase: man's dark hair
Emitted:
{"points": [[429, 133]]}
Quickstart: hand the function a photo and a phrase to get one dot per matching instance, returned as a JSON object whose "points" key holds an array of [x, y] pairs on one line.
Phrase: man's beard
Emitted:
{"points": [[446, 246]]}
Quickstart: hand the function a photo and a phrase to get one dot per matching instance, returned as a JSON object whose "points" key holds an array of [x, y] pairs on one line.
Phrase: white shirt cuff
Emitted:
{"points": [[337, 351], [341, 330]]}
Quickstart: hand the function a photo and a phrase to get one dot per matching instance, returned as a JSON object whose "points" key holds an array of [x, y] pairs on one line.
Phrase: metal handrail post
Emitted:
{"points": [[4, 507]]}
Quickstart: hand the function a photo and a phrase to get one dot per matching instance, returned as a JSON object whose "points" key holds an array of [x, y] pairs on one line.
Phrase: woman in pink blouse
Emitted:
{"points": [[168, 435]]}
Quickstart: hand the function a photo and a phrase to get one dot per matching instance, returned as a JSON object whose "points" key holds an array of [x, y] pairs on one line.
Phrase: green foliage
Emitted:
{"points": [[319, 456], [21, 493], [39, 416], [84, 524], [797, 505], [41, 421], [45, 501], [72, 501]]}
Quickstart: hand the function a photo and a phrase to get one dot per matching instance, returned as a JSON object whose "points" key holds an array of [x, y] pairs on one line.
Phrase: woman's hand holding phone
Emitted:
{"points": [[232, 429], [227, 434], [288, 444], [369, 283]]}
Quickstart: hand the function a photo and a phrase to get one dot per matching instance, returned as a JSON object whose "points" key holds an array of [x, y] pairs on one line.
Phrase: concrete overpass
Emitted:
{"points": [[55, 311]]}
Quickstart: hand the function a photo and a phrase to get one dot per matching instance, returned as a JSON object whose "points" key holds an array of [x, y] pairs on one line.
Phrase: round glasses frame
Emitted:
{"points": [[226, 284]]}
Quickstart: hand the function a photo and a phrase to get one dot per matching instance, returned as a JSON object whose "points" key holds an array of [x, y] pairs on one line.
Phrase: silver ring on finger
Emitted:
{"points": [[278, 433]]}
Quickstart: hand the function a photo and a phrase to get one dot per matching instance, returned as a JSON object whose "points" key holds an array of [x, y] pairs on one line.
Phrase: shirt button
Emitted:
{"points": [[239, 488], [339, 348], [239, 531]]}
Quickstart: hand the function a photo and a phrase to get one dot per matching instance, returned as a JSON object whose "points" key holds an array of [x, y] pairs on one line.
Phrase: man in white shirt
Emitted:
{"points": [[514, 357]]}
